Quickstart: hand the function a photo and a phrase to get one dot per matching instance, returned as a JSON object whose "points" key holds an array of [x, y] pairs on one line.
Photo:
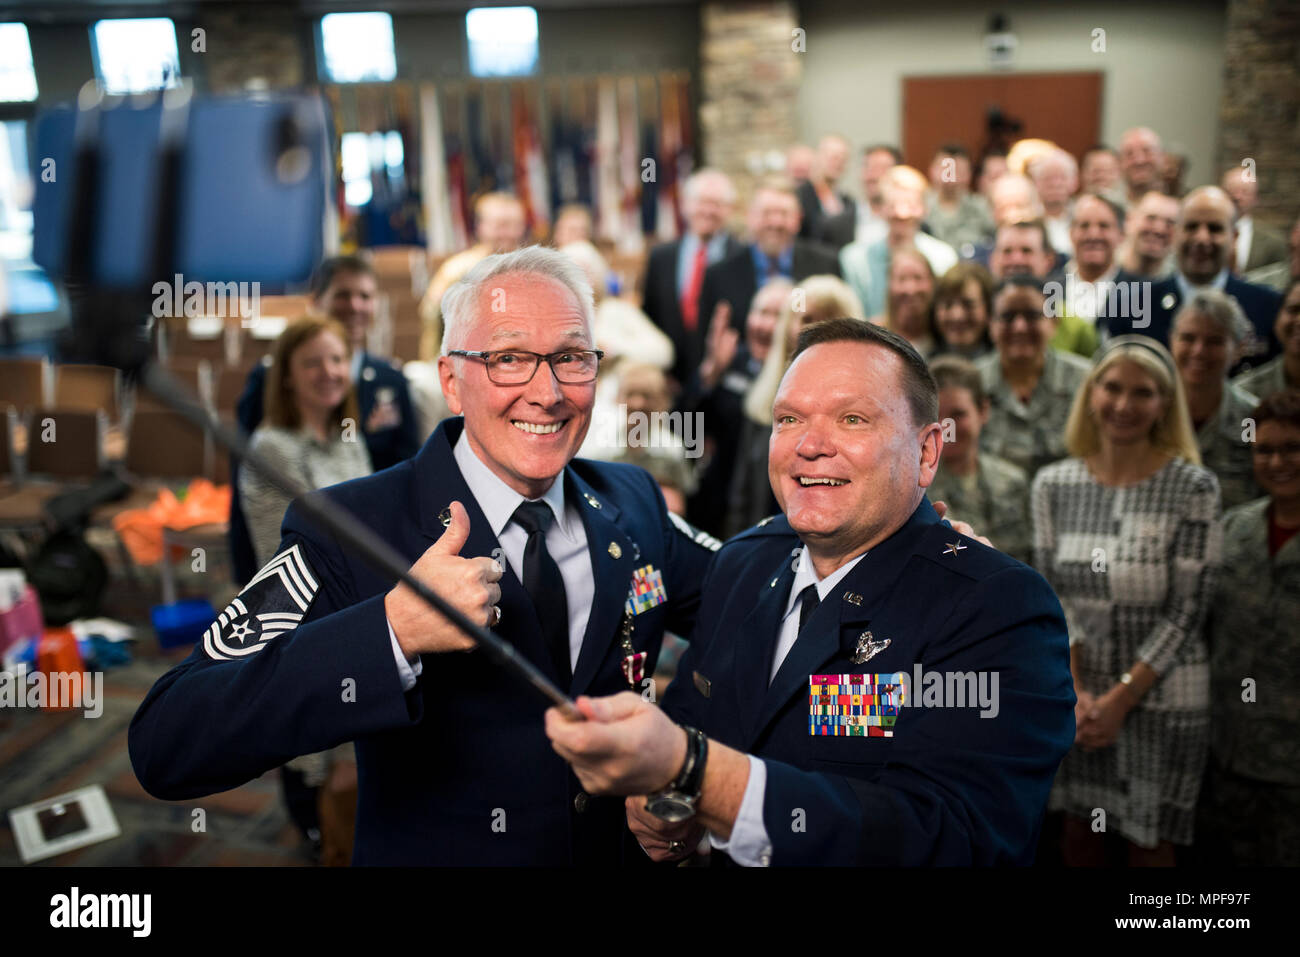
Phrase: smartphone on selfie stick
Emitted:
{"points": [[170, 187]]}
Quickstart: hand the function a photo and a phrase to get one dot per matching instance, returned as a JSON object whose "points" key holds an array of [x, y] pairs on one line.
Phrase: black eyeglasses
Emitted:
{"points": [[517, 367]]}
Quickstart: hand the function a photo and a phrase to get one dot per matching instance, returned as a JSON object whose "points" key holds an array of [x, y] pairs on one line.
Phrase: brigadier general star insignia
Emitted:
{"points": [[867, 648], [954, 547], [272, 603]]}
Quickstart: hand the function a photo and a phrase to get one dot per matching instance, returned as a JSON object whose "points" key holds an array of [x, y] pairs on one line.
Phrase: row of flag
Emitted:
{"points": [[620, 145]]}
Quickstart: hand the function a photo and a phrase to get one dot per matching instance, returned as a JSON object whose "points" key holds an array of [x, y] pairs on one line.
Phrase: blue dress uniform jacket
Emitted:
{"points": [[458, 770], [949, 787]]}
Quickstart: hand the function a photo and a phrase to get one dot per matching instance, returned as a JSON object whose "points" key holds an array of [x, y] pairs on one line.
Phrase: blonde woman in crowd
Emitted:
{"points": [[1126, 531]]}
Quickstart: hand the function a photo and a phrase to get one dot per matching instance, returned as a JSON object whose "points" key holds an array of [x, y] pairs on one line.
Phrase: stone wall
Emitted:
{"points": [[749, 87], [1259, 117]]}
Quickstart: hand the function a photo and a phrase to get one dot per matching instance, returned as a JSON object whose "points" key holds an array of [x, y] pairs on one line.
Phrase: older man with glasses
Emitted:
{"points": [[577, 564]]}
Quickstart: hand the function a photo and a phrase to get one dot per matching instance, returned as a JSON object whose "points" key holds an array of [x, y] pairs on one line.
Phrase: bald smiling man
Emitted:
{"points": [[1203, 246]]}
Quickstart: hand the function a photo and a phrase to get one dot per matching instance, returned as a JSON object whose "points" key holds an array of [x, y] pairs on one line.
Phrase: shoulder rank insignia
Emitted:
{"points": [[694, 534], [273, 603], [954, 547]]}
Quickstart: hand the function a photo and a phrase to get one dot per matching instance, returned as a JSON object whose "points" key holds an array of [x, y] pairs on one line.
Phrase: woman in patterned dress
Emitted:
{"points": [[1126, 531]]}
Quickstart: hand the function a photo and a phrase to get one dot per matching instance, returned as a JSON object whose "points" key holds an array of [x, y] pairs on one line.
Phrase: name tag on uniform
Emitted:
{"points": [[858, 706], [647, 590]]}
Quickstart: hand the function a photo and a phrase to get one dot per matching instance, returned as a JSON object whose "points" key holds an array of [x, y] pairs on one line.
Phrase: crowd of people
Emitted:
{"points": [[1118, 373]]}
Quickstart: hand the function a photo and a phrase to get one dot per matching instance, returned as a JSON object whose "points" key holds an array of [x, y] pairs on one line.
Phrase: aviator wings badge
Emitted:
{"points": [[867, 648]]}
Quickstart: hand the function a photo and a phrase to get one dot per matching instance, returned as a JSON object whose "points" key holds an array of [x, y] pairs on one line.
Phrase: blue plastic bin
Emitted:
{"points": [[182, 622]]}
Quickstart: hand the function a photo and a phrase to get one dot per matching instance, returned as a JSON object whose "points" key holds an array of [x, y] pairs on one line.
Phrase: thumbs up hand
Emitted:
{"points": [[469, 584]]}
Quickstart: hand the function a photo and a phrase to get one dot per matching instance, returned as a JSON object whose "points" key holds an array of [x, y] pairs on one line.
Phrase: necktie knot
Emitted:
{"points": [[534, 516]]}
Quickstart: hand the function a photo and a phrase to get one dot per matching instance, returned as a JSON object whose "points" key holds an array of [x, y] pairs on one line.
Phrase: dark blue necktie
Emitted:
{"points": [[545, 586], [808, 602]]}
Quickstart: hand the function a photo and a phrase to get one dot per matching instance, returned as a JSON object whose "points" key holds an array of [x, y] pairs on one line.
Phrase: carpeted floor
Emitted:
{"points": [[43, 754]]}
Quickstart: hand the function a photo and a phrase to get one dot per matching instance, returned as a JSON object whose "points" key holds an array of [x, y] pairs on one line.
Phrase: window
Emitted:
{"points": [[24, 289], [133, 56], [17, 76], [366, 155], [358, 47], [502, 41], [15, 192]]}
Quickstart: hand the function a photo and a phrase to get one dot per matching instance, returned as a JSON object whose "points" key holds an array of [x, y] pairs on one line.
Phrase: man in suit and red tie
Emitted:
{"points": [[675, 271]]}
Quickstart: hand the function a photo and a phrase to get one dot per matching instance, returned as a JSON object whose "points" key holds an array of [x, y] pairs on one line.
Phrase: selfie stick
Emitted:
{"points": [[114, 334]]}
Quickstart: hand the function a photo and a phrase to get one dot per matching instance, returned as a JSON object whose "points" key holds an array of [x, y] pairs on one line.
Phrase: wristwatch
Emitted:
{"points": [[676, 802]]}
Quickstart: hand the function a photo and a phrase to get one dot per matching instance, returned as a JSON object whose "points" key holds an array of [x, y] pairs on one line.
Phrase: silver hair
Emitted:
{"points": [[1059, 157], [461, 302], [692, 184], [1221, 309]]}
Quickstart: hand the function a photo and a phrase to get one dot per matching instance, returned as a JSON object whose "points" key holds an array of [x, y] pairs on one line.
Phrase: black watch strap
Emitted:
{"points": [[690, 779]]}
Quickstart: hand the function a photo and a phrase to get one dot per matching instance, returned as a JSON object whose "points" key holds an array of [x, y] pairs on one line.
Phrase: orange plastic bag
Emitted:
{"points": [[141, 529], [59, 659]]}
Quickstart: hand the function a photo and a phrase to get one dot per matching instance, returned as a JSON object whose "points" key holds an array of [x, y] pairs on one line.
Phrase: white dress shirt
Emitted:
{"points": [[566, 540], [870, 228], [1245, 233], [1186, 290], [749, 844]]}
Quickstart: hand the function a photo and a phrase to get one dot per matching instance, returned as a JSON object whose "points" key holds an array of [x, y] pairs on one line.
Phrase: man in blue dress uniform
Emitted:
{"points": [[869, 686], [578, 564]]}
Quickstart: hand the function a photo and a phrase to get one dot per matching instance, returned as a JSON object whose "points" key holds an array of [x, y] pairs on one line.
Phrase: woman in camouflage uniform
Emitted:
{"points": [[1251, 803], [987, 492]]}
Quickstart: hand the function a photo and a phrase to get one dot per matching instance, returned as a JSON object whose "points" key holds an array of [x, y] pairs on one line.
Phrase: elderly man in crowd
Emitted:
{"points": [[1147, 250], [1056, 177], [1204, 243], [1141, 161], [675, 270], [1099, 173], [775, 249]]}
